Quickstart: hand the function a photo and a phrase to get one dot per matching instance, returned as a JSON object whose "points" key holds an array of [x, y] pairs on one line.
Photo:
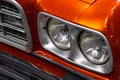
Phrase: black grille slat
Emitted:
{"points": [[0, 29], [21, 69]]}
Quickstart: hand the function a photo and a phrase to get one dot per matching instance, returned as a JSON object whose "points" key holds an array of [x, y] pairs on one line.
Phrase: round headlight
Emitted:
{"points": [[93, 47], [59, 33]]}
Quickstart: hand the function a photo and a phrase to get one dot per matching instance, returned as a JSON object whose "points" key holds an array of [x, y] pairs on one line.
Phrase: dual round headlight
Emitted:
{"points": [[74, 43], [91, 45]]}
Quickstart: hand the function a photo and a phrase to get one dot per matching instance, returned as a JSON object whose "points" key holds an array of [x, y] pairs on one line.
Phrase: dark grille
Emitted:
{"points": [[12, 20], [9, 7], [12, 68], [12, 25], [15, 34]]}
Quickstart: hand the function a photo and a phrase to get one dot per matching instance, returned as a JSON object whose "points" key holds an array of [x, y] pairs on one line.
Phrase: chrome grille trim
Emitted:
{"points": [[22, 39], [9, 13]]}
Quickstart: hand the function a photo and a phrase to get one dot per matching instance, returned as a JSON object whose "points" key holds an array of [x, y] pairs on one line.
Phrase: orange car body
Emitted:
{"points": [[98, 15]]}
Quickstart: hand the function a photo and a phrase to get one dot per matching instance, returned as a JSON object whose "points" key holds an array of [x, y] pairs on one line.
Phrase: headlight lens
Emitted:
{"points": [[59, 33], [94, 48]]}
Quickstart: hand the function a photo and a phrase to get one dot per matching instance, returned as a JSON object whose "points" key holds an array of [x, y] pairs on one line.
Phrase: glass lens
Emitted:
{"points": [[59, 34], [94, 48]]}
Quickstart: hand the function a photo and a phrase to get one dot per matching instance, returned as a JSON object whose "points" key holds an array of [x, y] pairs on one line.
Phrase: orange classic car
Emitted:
{"points": [[59, 39]]}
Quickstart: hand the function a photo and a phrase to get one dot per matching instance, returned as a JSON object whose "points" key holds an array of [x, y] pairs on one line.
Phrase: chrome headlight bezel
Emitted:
{"points": [[74, 54]]}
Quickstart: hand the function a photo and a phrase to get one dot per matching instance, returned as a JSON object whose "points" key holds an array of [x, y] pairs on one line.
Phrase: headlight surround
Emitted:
{"points": [[58, 33], [74, 54], [93, 47]]}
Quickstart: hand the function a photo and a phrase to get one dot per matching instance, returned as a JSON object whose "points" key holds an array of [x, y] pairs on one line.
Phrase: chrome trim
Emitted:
{"points": [[13, 27], [62, 66], [78, 59], [4, 12], [29, 46]]}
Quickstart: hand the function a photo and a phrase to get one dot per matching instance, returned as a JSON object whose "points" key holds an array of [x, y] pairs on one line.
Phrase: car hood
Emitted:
{"points": [[96, 15], [65, 9], [90, 13]]}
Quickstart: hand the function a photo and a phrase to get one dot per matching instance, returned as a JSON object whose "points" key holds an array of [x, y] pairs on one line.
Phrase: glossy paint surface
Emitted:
{"points": [[94, 16], [102, 15], [89, 1]]}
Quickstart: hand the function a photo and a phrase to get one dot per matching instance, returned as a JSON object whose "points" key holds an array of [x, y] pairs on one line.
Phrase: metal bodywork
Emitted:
{"points": [[100, 15]]}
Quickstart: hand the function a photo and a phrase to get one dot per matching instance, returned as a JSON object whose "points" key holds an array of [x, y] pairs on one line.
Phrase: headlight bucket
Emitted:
{"points": [[75, 54]]}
